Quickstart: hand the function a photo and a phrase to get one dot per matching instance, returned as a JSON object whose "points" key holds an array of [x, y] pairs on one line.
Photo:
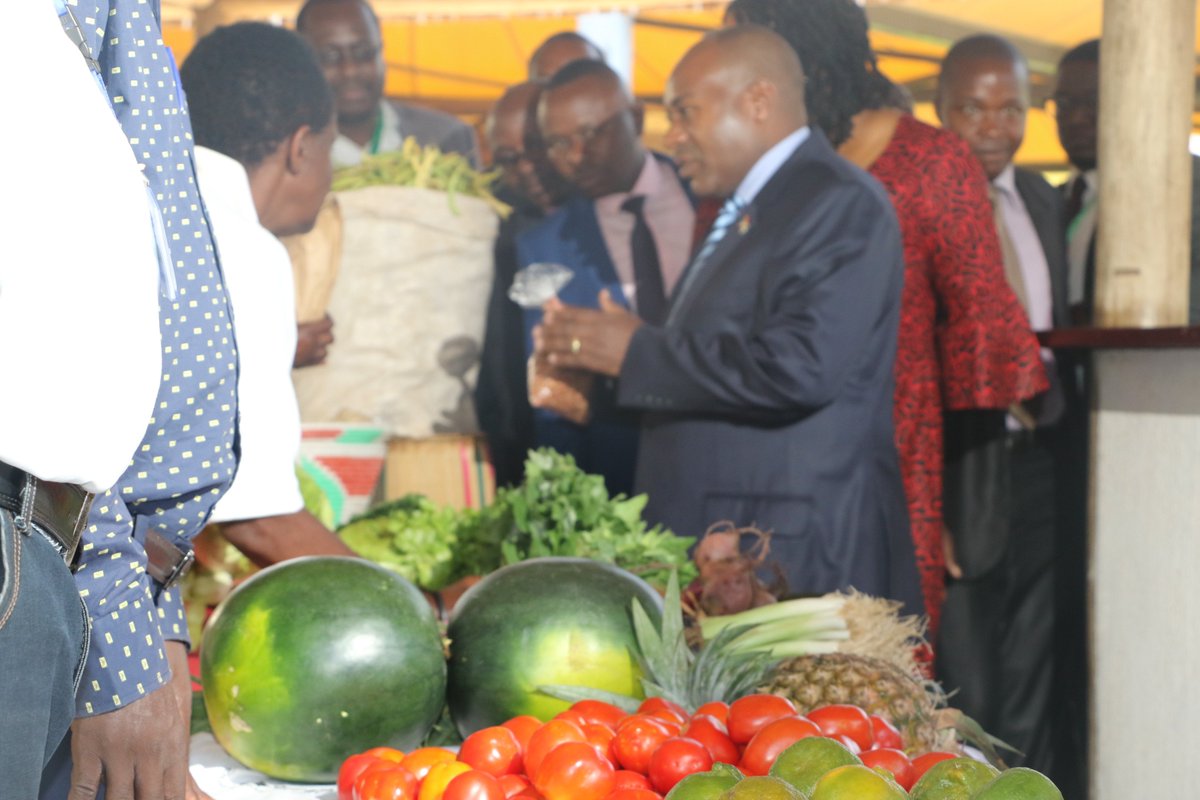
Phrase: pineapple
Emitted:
{"points": [[880, 687]]}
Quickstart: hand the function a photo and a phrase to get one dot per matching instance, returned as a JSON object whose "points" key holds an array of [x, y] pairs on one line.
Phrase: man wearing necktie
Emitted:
{"points": [[766, 395], [996, 643], [627, 230]]}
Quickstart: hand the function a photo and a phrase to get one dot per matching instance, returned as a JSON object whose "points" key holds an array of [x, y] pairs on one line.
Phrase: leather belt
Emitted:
{"points": [[59, 510], [165, 562]]}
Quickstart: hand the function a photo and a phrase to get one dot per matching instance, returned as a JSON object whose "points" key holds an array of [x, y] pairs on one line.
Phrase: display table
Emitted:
{"points": [[225, 779]]}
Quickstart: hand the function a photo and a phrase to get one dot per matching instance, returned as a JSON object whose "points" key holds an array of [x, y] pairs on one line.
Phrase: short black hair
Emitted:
{"points": [[584, 68], [980, 47], [830, 36], [251, 85], [302, 15], [1088, 51]]}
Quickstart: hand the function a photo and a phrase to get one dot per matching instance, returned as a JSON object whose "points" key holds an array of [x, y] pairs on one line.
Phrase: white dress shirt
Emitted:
{"points": [[348, 153], [258, 276], [1035, 270], [79, 314]]}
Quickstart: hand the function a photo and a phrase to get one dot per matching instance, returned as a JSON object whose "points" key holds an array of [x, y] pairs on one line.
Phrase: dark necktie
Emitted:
{"points": [[1081, 312], [650, 298]]}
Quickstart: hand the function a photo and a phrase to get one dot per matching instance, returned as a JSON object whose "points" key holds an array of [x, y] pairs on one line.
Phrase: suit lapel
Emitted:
{"points": [[689, 287]]}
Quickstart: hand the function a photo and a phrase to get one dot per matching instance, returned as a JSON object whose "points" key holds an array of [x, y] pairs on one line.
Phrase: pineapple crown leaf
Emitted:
{"points": [[573, 694]]}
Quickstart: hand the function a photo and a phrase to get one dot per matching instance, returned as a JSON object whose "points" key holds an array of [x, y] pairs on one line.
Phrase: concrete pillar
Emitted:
{"points": [[1146, 93], [612, 32]]}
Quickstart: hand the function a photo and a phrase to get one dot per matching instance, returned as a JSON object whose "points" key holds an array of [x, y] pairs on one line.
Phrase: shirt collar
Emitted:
{"points": [[1007, 180], [768, 164], [225, 175]]}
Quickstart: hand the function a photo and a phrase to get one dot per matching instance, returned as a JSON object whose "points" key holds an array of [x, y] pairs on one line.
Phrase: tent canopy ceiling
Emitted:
{"points": [[459, 54]]}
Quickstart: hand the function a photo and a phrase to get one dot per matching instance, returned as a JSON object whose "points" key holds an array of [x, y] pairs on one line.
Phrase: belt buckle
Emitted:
{"points": [[181, 569]]}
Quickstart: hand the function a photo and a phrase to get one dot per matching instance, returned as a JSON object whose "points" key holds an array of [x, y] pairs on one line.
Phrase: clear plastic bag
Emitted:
{"points": [[566, 392]]}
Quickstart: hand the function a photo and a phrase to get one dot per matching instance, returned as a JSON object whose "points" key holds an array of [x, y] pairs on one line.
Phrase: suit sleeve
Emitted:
{"points": [[822, 318]]}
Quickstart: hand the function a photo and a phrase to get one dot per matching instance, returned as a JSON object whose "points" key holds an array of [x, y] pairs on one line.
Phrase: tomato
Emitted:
{"points": [[710, 732], [420, 760], [750, 714], [921, 764], [628, 779], [513, 784], [434, 784], [474, 785], [848, 743], [844, 720], [523, 727], [602, 737], [653, 704], [572, 716], [384, 781], [386, 753], [674, 760], [351, 768], [494, 750], [600, 713], [893, 761], [574, 771], [717, 708], [636, 740], [548, 737], [885, 734], [773, 739], [633, 794]]}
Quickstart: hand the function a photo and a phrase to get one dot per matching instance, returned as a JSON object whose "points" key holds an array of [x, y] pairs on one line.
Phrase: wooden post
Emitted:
{"points": [[1146, 94]]}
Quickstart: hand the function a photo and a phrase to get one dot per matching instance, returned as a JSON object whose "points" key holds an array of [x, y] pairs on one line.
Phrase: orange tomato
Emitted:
{"points": [[494, 750], [523, 727], [546, 738], [600, 713], [574, 771], [419, 761], [513, 784], [385, 781], [434, 784], [717, 708], [386, 753], [474, 784]]}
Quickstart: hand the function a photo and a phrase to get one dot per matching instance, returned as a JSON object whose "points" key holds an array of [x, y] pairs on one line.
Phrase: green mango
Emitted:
{"points": [[763, 787], [706, 785], [807, 760], [857, 782], [1019, 783], [954, 779]]}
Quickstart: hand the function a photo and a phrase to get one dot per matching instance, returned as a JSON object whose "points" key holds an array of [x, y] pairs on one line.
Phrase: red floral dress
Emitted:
{"points": [[964, 340]]}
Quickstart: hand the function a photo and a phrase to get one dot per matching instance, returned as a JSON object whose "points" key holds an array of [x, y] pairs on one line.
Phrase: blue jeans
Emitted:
{"points": [[43, 643]]}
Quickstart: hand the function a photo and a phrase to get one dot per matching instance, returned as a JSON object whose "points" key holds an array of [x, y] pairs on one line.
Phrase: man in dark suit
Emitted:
{"points": [[628, 229], [1076, 103], [347, 39], [767, 393], [996, 644]]}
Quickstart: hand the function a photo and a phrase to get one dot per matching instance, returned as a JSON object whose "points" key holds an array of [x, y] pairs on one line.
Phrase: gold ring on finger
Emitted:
{"points": [[576, 346]]}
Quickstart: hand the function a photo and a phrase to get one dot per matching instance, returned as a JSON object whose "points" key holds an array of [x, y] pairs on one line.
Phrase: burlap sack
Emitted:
{"points": [[316, 259], [408, 309]]}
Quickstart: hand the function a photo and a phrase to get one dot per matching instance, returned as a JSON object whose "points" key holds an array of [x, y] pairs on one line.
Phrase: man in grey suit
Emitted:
{"points": [[767, 392], [997, 638], [347, 40]]}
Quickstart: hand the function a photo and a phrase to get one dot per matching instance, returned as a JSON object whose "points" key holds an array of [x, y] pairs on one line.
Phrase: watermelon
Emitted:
{"points": [[542, 622], [318, 658]]}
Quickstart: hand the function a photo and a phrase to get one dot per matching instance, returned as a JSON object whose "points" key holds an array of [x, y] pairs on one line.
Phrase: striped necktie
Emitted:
{"points": [[728, 215]]}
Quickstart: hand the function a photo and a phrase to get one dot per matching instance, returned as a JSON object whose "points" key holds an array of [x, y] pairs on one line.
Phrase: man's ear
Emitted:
{"points": [[761, 96], [299, 149]]}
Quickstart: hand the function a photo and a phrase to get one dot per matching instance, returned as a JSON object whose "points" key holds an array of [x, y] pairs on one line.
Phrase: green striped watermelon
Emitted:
{"points": [[546, 621], [315, 659]]}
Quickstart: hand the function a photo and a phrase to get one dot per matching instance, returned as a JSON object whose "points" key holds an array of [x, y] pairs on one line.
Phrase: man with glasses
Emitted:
{"points": [[346, 36], [629, 231]]}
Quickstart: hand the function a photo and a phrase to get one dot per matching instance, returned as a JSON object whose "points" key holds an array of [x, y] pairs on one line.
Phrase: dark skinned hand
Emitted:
{"points": [[312, 342], [584, 338], [140, 751]]}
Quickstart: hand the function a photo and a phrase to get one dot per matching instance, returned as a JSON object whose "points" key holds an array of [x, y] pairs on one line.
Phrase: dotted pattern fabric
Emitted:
{"points": [[188, 456]]}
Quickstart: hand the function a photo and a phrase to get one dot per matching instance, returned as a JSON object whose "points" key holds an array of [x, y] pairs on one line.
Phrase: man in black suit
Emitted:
{"points": [[767, 392], [996, 645]]}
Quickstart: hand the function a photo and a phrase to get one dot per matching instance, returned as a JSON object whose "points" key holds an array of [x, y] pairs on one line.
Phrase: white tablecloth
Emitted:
{"points": [[218, 774]]}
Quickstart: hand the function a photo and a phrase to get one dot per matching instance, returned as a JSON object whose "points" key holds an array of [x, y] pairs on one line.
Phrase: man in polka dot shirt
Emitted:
{"points": [[132, 717]]}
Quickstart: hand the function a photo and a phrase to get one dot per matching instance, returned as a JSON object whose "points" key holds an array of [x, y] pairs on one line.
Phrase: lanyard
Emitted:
{"points": [[166, 272], [373, 147], [1073, 226]]}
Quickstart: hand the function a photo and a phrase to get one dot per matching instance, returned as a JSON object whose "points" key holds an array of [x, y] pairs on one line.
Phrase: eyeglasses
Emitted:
{"points": [[363, 53], [508, 159], [559, 145]]}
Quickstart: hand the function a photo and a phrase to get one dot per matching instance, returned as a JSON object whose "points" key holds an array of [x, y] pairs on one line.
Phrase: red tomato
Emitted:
{"points": [[601, 736], [674, 760], [848, 743], [474, 785], [717, 708], [844, 720], [921, 764], [523, 727], [548, 737], [600, 713], [386, 753], [652, 704], [419, 761], [773, 739], [885, 734], [571, 716], [384, 781], [574, 771], [434, 784], [513, 784], [750, 714], [633, 794], [637, 739], [710, 732], [628, 779], [494, 750], [894, 761], [351, 768]]}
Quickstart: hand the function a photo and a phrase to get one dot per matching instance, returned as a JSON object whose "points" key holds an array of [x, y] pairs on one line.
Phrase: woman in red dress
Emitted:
{"points": [[964, 341]]}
